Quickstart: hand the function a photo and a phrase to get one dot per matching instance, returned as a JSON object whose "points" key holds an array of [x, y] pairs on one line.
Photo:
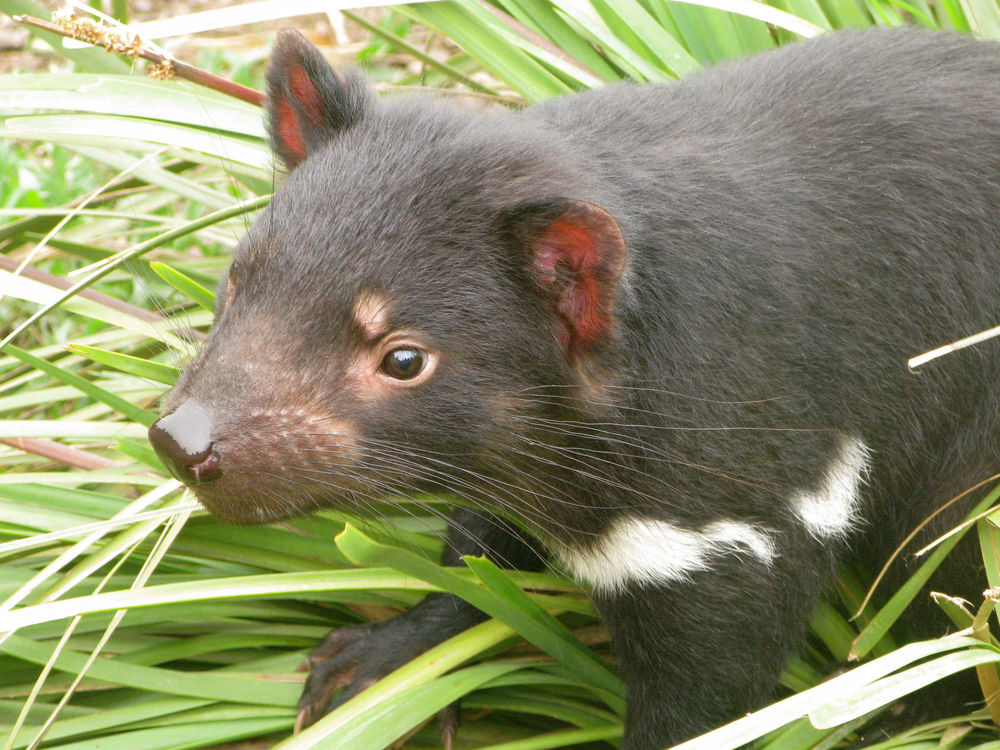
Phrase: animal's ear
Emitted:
{"points": [[575, 256], [307, 103]]}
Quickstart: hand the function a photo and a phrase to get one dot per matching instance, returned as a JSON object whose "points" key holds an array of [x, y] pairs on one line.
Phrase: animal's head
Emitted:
{"points": [[386, 321]]}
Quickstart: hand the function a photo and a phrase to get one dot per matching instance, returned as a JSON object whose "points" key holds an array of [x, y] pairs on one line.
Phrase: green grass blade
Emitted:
{"points": [[126, 363], [568, 651], [480, 34], [989, 545], [983, 17], [185, 285], [901, 599], [128, 95], [540, 16], [356, 716], [11, 284], [755, 725], [894, 687], [565, 738], [125, 407], [236, 687], [277, 584]]}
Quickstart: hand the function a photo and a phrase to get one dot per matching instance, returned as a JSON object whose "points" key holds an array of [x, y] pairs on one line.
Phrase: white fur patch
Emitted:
{"points": [[832, 510], [638, 550]]}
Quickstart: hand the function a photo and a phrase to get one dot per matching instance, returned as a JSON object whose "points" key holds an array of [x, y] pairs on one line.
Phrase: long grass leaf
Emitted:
{"points": [[566, 650], [901, 599], [119, 404]]}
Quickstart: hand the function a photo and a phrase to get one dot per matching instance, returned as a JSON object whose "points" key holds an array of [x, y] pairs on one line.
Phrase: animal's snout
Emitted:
{"points": [[183, 440]]}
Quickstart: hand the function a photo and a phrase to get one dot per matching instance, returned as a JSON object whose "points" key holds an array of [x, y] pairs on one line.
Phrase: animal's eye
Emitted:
{"points": [[403, 363]]}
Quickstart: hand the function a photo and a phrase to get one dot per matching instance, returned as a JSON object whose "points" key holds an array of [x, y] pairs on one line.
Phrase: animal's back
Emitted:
{"points": [[801, 224]]}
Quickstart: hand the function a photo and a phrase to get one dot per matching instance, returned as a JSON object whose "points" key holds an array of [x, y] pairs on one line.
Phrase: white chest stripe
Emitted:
{"points": [[636, 550], [832, 509]]}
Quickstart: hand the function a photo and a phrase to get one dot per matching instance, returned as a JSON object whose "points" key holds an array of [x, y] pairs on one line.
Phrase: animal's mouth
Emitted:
{"points": [[247, 508], [261, 466]]}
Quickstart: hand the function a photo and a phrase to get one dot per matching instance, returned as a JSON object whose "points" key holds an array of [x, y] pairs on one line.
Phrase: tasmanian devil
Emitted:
{"points": [[664, 328]]}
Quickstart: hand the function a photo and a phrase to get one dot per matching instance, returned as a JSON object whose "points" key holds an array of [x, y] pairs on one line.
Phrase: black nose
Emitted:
{"points": [[183, 440]]}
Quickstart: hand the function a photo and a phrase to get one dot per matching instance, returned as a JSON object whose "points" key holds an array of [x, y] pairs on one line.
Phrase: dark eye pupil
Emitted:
{"points": [[403, 364]]}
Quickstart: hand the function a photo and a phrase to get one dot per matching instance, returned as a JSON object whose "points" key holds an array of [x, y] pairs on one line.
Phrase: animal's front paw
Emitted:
{"points": [[355, 657], [352, 658]]}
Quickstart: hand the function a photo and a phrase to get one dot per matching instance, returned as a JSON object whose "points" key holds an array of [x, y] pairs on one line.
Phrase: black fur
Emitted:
{"points": [[796, 226]]}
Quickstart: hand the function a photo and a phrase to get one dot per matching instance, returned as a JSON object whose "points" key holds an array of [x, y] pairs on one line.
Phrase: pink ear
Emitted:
{"points": [[577, 261], [299, 99], [307, 103]]}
